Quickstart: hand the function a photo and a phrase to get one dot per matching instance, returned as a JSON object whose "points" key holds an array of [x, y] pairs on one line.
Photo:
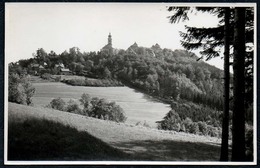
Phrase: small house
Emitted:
{"points": [[65, 71]]}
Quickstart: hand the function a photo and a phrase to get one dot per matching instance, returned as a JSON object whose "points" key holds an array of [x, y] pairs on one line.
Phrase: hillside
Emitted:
{"points": [[144, 143], [163, 73]]}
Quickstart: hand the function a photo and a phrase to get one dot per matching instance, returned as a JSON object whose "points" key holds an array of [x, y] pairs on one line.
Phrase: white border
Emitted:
{"points": [[6, 162]]}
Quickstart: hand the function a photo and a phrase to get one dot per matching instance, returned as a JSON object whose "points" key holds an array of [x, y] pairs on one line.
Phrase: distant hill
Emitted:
{"points": [[163, 73]]}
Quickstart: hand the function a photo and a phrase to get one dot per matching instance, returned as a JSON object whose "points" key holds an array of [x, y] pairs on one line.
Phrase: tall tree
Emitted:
{"points": [[238, 138], [225, 122], [209, 39]]}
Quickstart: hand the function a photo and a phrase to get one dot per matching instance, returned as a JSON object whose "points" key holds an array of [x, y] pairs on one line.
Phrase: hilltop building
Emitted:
{"points": [[108, 49]]}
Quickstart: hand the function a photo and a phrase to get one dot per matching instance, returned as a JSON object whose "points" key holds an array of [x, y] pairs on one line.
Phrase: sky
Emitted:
{"points": [[60, 26]]}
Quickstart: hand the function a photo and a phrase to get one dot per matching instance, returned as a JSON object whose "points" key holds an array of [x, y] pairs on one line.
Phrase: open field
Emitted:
{"points": [[137, 106], [141, 142]]}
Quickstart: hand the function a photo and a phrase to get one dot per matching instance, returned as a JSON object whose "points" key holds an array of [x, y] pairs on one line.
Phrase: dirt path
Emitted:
{"points": [[145, 143]]}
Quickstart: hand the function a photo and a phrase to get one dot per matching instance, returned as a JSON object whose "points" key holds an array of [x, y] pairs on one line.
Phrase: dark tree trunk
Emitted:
{"points": [[238, 146], [225, 121]]}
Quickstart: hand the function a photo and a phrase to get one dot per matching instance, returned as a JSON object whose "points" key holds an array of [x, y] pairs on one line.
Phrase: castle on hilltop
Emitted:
{"points": [[108, 49]]}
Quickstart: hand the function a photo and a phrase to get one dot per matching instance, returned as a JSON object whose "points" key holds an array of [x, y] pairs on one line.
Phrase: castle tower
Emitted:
{"points": [[110, 39]]}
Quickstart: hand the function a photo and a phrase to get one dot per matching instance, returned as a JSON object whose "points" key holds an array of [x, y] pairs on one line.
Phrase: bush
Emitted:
{"points": [[73, 107], [170, 122], [106, 110], [202, 127], [187, 124], [46, 76], [85, 100], [58, 104], [20, 90], [212, 131], [194, 128]]}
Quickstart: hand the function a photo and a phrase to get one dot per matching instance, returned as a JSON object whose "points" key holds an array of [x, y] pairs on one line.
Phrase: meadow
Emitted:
{"points": [[139, 108], [46, 134]]}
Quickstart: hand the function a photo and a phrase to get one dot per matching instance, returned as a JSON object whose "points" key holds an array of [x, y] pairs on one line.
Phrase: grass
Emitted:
{"points": [[168, 150], [42, 139], [137, 107], [141, 143]]}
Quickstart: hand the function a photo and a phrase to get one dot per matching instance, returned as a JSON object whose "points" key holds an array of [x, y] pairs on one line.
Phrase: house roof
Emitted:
{"points": [[64, 70], [35, 65]]}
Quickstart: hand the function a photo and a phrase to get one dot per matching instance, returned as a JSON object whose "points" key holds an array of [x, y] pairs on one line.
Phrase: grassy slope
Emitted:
{"points": [[41, 139], [143, 143]]}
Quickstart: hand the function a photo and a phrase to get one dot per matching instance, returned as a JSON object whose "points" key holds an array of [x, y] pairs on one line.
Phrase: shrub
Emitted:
{"points": [[202, 127], [20, 90], [194, 128], [183, 128], [187, 124], [170, 122], [73, 107], [106, 110], [46, 76], [85, 100], [212, 131], [58, 104]]}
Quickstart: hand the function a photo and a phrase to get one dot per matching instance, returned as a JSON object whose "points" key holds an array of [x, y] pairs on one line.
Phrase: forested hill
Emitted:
{"points": [[169, 75]]}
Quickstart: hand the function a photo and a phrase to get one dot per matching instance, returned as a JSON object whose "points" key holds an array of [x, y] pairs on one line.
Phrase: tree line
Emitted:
{"points": [[166, 74]]}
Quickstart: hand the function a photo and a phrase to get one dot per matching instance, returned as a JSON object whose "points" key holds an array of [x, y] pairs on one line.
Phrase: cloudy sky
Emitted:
{"points": [[60, 26]]}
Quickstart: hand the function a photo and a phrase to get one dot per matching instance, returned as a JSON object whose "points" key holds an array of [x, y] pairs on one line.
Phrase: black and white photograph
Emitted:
{"points": [[130, 84]]}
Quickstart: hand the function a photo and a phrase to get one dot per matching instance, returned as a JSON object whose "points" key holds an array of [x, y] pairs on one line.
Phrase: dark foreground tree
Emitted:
{"points": [[209, 39], [225, 122], [238, 138]]}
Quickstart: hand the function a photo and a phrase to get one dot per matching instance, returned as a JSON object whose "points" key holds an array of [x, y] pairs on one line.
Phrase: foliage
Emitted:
{"points": [[73, 107], [163, 73], [58, 104], [192, 118], [92, 107], [93, 82], [85, 101], [20, 90], [171, 121], [102, 109]]}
